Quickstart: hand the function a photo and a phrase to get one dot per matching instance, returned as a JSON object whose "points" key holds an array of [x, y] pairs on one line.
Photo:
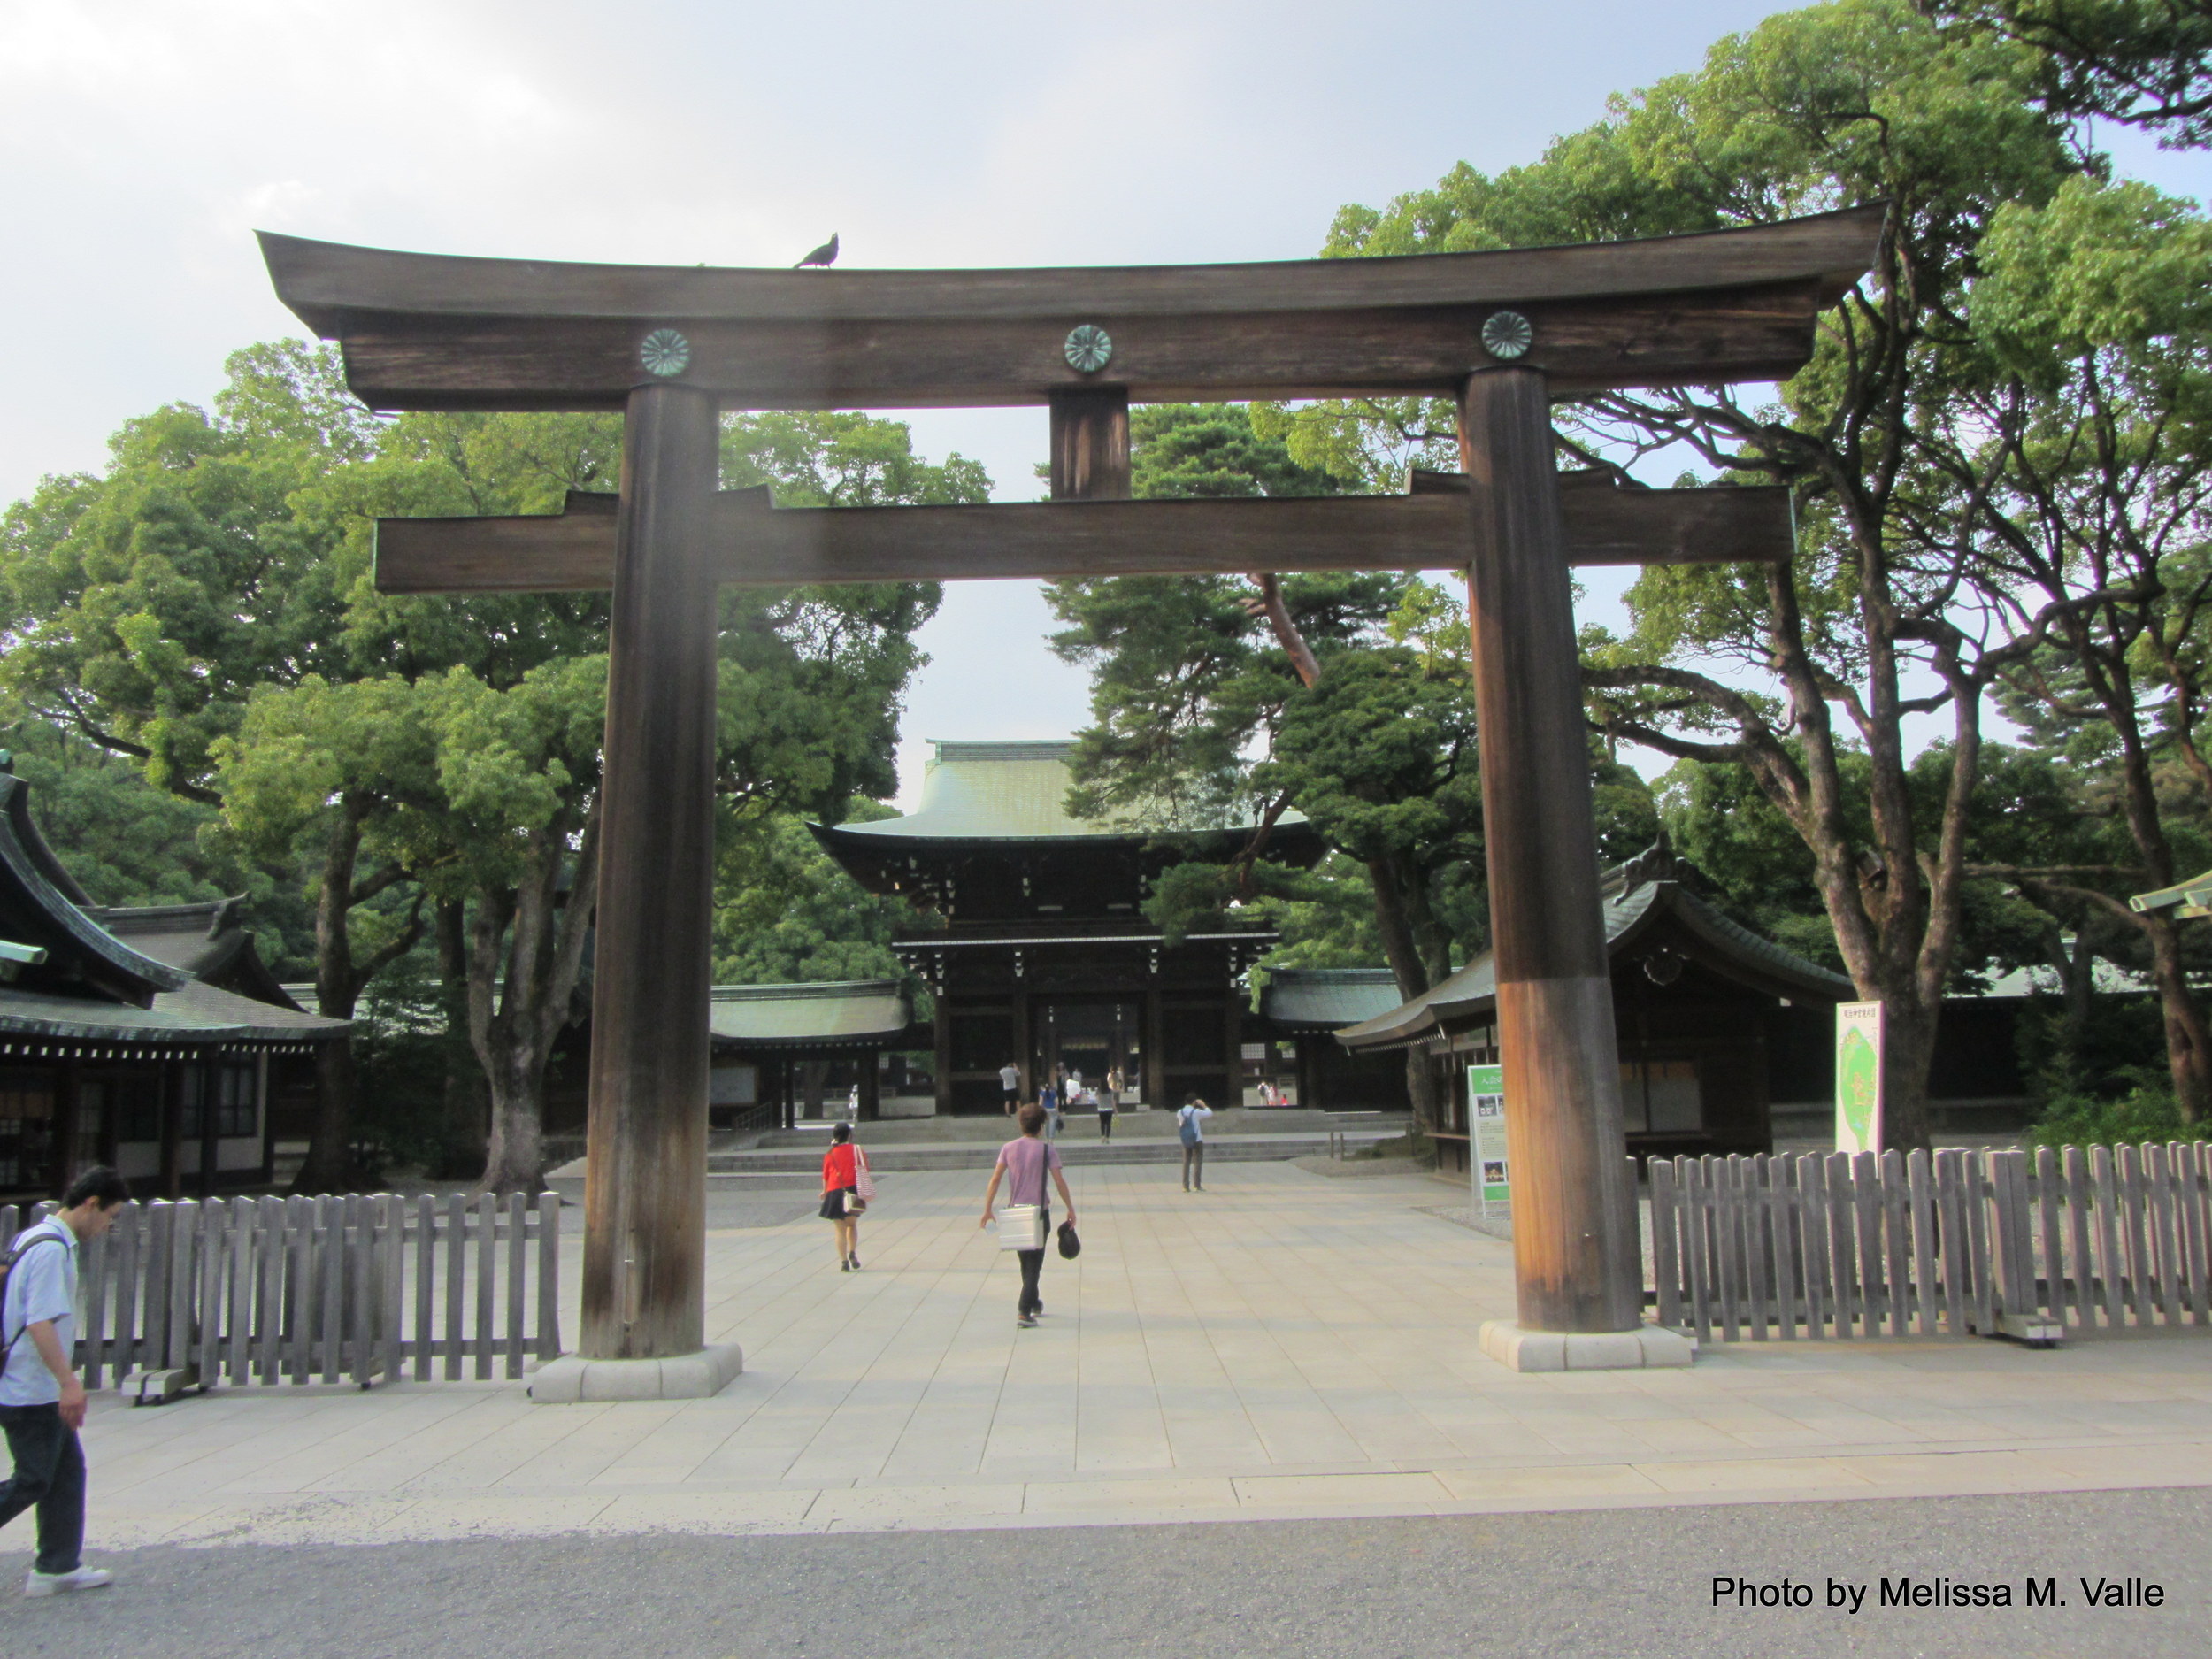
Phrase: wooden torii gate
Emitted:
{"points": [[1502, 333]]}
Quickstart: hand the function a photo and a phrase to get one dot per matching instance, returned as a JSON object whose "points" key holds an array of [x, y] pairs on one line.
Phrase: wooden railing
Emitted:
{"points": [[351, 1287], [1995, 1243]]}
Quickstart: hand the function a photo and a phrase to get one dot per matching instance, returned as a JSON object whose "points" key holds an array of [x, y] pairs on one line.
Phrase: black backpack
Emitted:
{"points": [[17, 1251]]}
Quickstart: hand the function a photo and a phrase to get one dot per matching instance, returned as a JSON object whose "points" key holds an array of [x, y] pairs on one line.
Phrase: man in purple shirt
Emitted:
{"points": [[1022, 1164]]}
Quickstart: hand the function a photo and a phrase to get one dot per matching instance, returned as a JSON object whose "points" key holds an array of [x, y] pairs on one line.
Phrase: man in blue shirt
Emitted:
{"points": [[41, 1401]]}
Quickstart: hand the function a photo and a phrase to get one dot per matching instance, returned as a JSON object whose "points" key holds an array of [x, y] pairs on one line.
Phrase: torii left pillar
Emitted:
{"points": [[644, 1304]]}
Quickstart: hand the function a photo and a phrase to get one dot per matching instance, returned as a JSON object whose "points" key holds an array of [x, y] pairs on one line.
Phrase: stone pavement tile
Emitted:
{"points": [[1303, 1491], [1754, 1474], [490, 1457], [324, 1520], [1684, 1436], [1175, 1493], [1963, 1472], [134, 1527], [576, 1458], [430, 1520], [916, 1504], [1566, 1483], [2183, 1464], [706, 1512], [671, 1452]]}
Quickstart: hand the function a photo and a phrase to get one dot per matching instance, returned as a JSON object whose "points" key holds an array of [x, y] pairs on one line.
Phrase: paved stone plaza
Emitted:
{"points": [[1283, 1346]]}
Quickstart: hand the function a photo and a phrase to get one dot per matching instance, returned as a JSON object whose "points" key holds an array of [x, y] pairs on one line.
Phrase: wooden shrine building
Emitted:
{"points": [[114, 1048], [1046, 959], [1292, 1043], [1699, 1005], [766, 1037]]}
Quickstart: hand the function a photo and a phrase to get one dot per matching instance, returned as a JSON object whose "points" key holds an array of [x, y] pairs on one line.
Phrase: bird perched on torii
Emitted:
{"points": [[824, 256]]}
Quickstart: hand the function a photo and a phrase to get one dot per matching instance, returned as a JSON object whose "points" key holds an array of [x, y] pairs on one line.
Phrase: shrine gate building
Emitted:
{"points": [[1046, 957]]}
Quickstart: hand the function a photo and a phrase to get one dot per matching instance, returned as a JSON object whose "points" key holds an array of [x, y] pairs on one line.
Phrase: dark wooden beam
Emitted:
{"points": [[326, 282], [591, 362], [757, 542], [429, 332], [1090, 444], [644, 1289], [1574, 1218]]}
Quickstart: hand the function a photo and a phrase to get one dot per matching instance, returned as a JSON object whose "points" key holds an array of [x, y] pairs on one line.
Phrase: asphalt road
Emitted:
{"points": [[1618, 1584]]}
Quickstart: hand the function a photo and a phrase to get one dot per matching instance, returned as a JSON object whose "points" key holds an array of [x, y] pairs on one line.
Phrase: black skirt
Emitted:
{"points": [[833, 1204]]}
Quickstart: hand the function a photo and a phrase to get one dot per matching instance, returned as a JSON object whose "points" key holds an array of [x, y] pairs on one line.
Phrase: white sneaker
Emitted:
{"points": [[55, 1583]]}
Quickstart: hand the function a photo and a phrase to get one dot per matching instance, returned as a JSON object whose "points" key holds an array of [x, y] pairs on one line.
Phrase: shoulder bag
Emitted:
{"points": [[1021, 1227], [863, 1183]]}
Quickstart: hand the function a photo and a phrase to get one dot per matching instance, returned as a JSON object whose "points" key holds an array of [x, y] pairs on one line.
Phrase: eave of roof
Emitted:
{"points": [[822, 1013], [1327, 999], [195, 1014], [49, 890], [1739, 954]]}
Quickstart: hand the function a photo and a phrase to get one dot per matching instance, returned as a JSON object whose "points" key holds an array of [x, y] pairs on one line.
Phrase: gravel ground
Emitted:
{"points": [[1614, 1584]]}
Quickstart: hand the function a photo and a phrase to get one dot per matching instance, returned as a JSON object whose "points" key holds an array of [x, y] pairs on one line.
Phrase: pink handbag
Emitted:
{"points": [[863, 1184]]}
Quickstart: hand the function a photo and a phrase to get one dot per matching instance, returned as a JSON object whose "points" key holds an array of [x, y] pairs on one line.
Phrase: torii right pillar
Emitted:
{"points": [[1576, 1255]]}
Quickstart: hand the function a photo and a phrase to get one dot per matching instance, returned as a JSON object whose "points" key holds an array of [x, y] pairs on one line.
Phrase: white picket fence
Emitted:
{"points": [[330, 1289], [1993, 1243]]}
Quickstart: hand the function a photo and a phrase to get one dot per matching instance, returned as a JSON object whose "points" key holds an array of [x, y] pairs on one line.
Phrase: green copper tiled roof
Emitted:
{"points": [[194, 1014], [1322, 999], [1634, 892], [999, 791], [831, 1012]]}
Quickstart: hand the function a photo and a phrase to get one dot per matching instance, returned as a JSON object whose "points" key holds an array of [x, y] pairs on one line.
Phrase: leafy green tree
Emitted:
{"points": [[487, 789], [143, 609], [786, 912], [1856, 101], [2082, 461], [2147, 63]]}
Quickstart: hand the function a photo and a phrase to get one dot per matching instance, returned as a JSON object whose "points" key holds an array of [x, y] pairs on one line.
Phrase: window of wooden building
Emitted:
{"points": [[28, 1146], [1660, 1097]]}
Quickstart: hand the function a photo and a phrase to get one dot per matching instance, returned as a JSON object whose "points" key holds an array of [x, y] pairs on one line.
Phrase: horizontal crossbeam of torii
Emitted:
{"points": [[1501, 332], [755, 541]]}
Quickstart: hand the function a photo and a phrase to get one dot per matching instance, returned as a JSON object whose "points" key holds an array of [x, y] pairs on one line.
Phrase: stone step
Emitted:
{"points": [[1074, 1151], [992, 1128]]}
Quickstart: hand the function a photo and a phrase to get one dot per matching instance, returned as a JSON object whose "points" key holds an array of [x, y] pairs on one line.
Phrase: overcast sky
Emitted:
{"points": [[144, 143]]}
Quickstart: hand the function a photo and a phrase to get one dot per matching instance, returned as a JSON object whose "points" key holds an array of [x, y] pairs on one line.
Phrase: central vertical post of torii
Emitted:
{"points": [[1575, 1248]]}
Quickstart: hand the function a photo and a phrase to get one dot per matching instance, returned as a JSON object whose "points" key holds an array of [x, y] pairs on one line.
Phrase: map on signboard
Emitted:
{"points": [[1857, 1082]]}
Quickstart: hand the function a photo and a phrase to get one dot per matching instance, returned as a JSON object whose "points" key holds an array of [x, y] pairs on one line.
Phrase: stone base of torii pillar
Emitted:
{"points": [[573, 1379], [1519, 1348]]}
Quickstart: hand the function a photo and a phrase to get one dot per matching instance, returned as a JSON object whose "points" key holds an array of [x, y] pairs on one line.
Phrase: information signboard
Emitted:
{"points": [[1858, 1077], [1486, 1136]]}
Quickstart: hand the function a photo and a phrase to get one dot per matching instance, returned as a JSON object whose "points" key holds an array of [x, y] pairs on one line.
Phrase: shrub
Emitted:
{"points": [[2146, 1112]]}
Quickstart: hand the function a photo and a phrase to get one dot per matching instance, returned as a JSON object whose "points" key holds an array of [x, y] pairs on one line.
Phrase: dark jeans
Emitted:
{"points": [[49, 1474], [1105, 1126], [1033, 1265], [1195, 1166]]}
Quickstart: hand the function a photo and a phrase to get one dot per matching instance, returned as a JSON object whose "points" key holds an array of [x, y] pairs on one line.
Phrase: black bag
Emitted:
{"points": [[1071, 1247]]}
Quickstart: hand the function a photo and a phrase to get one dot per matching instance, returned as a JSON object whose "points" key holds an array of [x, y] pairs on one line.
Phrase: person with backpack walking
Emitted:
{"points": [[1023, 1165], [847, 1188], [1194, 1138], [41, 1401]]}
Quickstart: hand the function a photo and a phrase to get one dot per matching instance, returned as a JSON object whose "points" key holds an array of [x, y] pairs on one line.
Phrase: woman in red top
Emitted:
{"points": [[842, 1167]]}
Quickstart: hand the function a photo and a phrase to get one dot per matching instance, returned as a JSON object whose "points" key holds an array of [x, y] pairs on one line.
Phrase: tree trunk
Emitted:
{"points": [[2188, 1048], [328, 1167], [468, 1127], [529, 946], [1908, 1033]]}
